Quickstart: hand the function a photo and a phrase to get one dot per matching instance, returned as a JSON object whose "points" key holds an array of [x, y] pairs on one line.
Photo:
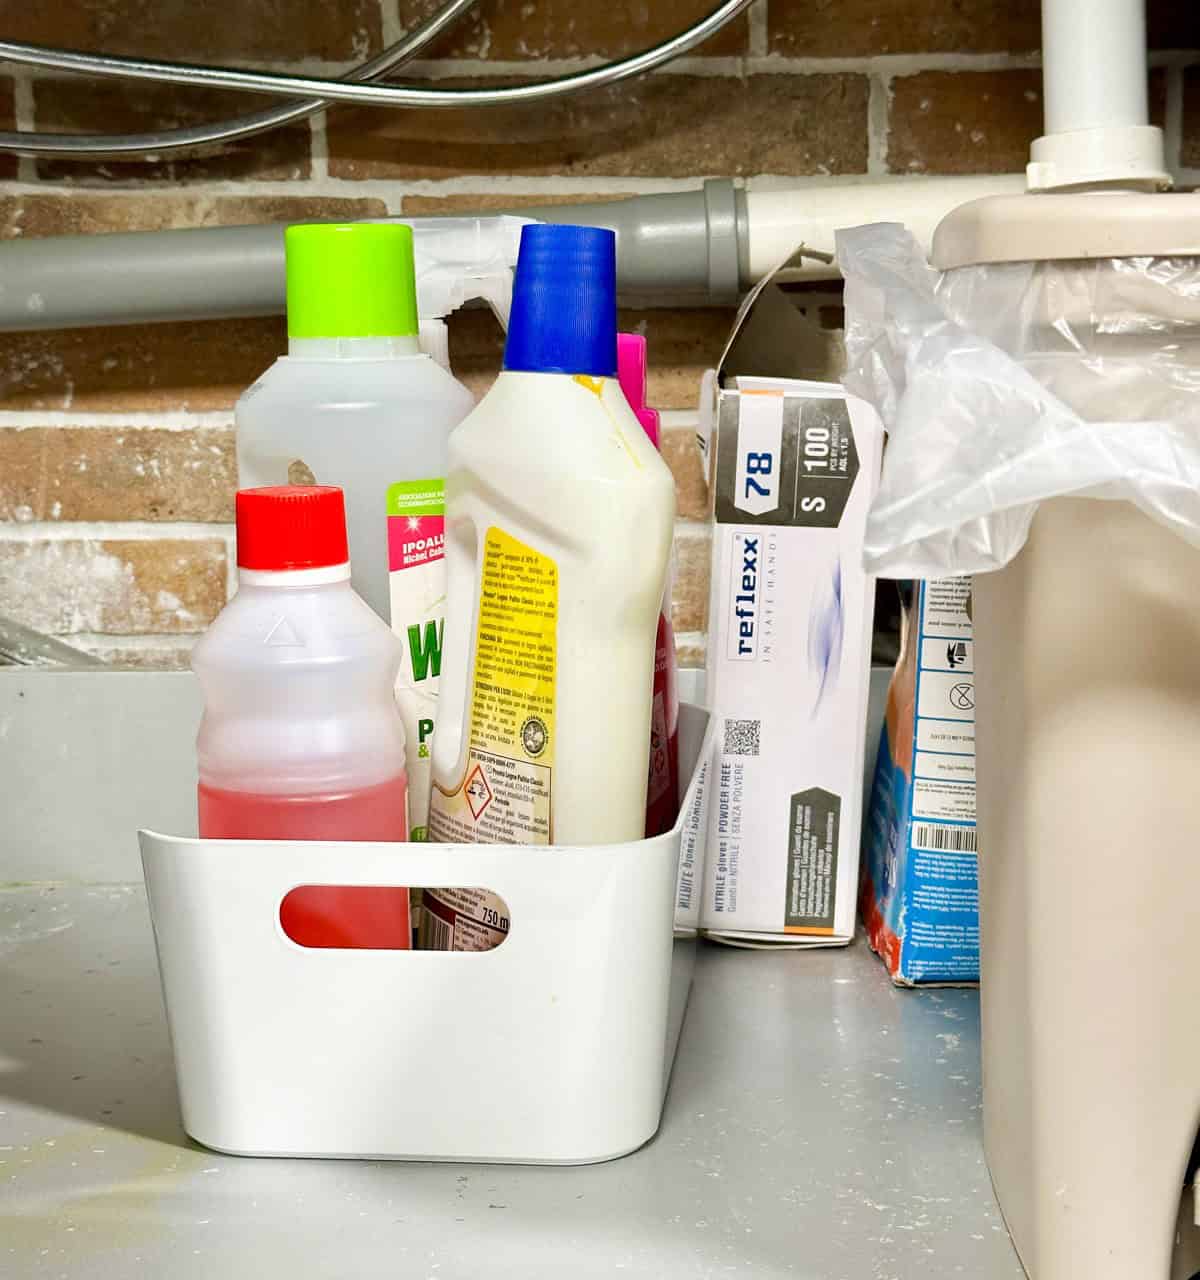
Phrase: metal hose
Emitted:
{"points": [[21, 646], [318, 88], [100, 145]]}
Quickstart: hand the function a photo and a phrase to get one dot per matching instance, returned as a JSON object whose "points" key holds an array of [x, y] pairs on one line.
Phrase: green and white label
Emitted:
{"points": [[416, 547]]}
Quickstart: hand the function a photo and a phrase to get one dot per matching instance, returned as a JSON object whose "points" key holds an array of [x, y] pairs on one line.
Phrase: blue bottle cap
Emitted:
{"points": [[564, 309]]}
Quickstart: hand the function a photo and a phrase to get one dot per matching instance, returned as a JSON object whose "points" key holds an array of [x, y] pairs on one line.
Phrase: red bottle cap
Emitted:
{"points": [[284, 527]]}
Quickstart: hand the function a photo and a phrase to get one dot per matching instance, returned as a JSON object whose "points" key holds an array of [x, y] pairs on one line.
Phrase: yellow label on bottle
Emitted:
{"points": [[504, 796]]}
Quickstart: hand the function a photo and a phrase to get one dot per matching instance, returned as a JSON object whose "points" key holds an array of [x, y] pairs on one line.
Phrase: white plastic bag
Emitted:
{"points": [[1004, 385]]}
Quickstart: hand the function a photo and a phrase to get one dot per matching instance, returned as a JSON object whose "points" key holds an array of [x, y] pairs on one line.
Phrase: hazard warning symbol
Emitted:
{"points": [[479, 794]]}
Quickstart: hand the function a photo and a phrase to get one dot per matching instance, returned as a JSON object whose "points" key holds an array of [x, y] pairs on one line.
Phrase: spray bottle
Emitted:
{"points": [[461, 260]]}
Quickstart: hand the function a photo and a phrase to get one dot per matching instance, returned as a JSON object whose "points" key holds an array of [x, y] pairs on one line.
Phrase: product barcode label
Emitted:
{"points": [[933, 837], [742, 737], [436, 934]]}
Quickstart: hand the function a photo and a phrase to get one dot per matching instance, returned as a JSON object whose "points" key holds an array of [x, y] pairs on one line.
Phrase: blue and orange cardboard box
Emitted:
{"points": [[919, 891]]}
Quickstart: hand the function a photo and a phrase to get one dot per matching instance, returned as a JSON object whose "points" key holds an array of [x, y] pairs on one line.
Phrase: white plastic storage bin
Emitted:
{"points": [[554, 1048]]}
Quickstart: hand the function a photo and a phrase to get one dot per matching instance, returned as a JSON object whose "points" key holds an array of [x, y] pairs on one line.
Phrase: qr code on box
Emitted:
{"points": [[741, 737]]}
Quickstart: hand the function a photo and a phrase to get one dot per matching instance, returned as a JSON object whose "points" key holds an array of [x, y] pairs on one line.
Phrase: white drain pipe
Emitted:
{"points": [[1096, 107], [779, 220]]}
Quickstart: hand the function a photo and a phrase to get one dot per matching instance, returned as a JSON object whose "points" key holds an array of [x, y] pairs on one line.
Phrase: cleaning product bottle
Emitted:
{"points": [[301, 738], [356, 403], [559, 522], [662, 794]]}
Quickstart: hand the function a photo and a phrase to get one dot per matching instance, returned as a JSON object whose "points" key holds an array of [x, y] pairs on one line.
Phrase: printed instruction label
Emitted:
{"points": [[944, 762], [731, 789], [945, 608], [504, 796], [416, 537], [814, 818], [691, 869], [461, 920]]}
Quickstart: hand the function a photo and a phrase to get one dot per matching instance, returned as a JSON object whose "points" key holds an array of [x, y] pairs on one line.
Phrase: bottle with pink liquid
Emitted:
{"points": [[662, 792], [301, 738]]}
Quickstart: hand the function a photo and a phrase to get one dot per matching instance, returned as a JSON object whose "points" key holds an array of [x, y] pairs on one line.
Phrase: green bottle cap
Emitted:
{"points": [[350, 280]]}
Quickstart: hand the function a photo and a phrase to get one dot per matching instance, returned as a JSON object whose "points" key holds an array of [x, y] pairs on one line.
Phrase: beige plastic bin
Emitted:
{"points": [[1088, 680], [1088, 728], [1041, 387]]}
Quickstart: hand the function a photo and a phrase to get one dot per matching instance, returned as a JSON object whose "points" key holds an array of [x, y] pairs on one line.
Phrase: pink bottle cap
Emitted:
{"points": [[631, 374]]}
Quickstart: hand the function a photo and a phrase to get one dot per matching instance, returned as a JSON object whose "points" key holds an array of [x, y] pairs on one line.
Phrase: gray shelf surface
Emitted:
{"points": [[820, 1124]]}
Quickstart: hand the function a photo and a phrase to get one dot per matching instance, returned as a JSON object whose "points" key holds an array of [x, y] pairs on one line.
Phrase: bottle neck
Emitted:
{"points": [[324, 576], [597, 378], [353, 348]]}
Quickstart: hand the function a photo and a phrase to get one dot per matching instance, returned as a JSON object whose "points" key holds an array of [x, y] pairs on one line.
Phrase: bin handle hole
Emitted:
{"points": [[352, 917]]}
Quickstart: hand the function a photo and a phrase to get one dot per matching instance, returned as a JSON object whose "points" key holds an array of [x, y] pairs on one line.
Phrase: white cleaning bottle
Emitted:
{"points": [[559, 521], [355, 403]]}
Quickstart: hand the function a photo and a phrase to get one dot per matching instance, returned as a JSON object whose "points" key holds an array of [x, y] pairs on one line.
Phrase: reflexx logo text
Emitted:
{"points": [[743, 621]]}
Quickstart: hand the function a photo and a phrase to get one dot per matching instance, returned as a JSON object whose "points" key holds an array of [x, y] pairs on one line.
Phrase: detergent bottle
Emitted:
{"points": [[358, 404], [662, 795], [559, 518]]}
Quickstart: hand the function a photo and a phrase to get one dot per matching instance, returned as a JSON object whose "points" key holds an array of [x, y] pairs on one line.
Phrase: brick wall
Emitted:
{"points": [[116, 451]]}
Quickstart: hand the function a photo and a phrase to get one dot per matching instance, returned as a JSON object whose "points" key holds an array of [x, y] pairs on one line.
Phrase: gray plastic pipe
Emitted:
{"points": [[706, 244], [679, 243]]}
